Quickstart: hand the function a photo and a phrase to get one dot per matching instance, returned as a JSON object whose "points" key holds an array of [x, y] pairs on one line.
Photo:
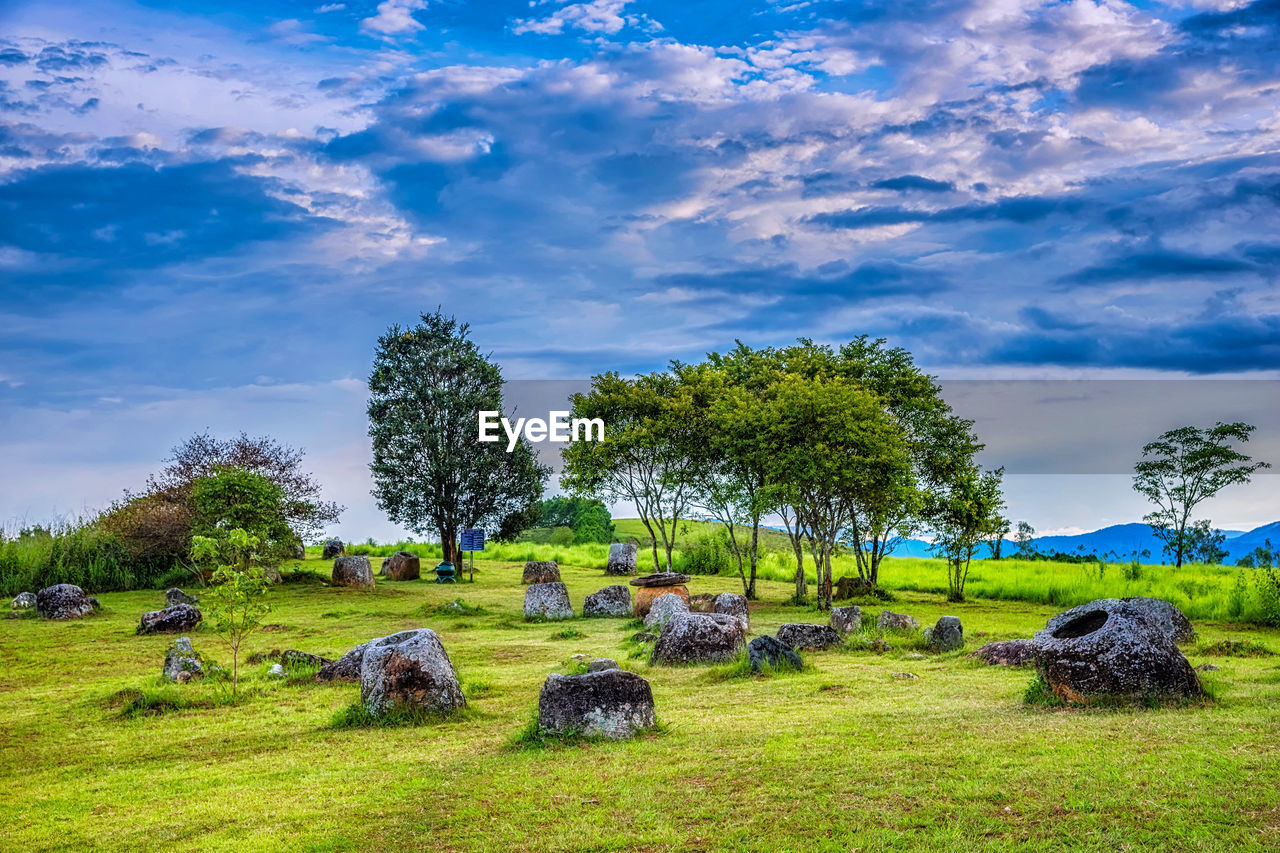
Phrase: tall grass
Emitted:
{"points": [[78, 552]]}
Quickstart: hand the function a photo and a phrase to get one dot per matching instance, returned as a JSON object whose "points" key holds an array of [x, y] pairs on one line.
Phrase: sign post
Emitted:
{"points": [[472, 541]]}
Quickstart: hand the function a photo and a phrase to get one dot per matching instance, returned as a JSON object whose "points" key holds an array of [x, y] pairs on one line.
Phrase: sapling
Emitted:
{"points": [[234, 606]]}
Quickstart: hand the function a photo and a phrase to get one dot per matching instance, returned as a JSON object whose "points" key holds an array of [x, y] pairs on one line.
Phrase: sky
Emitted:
{"points": [[208, 215]]}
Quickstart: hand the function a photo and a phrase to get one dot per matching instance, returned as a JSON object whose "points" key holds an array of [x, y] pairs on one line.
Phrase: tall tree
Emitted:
{"points": [[835, 449], [431, 473], [652, 447], [1184, 467]]}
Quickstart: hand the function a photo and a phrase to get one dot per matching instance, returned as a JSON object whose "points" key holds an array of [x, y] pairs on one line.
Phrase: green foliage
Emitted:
{"points": [[586, 520], [965, 512], [706, 555], [357, 716], [232, 498], [233, 607], [570, 633], [83, 553], [428, 384], [1039, 694], [1184, 467], [1204, 544]]}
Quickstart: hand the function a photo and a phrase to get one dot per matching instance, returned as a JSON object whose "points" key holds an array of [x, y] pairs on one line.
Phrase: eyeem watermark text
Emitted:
{"points": [[557, 427]]}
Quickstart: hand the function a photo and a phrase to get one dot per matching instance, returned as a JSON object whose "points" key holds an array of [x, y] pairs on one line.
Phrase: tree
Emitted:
{"points": [[965, 513], [652, 447], [1204, 544], [998, 533], [835, 449], [234, 606], [203, 455], [235, 498], [1023, 537], [1184, 467], [588, 520], [431, 473]]}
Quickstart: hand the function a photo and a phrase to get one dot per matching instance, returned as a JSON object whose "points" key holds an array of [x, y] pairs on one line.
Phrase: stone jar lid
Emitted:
{"points": [[661, 579]]}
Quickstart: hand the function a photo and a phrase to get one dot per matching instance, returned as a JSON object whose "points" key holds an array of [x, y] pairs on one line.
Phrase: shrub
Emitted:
{"points": [[706, 555]]}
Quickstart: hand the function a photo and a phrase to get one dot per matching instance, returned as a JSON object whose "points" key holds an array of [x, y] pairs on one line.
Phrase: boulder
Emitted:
{"points": [[23, 601], [345, 668], [660, 579], [611, 703], [946, 636], [541, 571], [1170, 619], [612, 601], [601, 664], [173, 596], [735, 605], [851, 587], [663, 608], [333, 548], [644, 637], [182, 660], [1006, 653], [1111, 650], [547, 602], [402, 566], [171, 620], [771, 652], [846, 620], [699, 638], [271, 575], [352, 571], [703, 602], [804, 636], [63, 601], [890, 621], [622, 559], [409, 670], [298, 552], [294, 659], [647, 595]]}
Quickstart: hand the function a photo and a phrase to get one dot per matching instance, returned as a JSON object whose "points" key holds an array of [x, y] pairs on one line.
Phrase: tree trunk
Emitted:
{"points": [[755, 555], [449, 545]]}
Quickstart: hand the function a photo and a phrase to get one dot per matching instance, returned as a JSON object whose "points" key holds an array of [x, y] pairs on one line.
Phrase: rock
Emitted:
{"points": [[23, 601], [541, 571], [622, 559], [1114, 651], [63, 601], [612, 601], [880, 647], [277, 671], [612, 703], [914, 656], [1172, 621], [846, 620], [333, 548], [547, 602], [905, 675], [1006, 653], [173, 596], [352, 571], [294, 659], [703, 602], [1206, 667], [345, 668], [804, 636], [409, 670], [772, 653], [735, 605], [94, 603], [660, 579], [647, 595], [644, 637], [181, 659], [271, 575], [890, 621], [171, 620], [851, 587], [601, 664], [664, 607], [402, 566], [699, 638], [946, 636], [298, 552]]}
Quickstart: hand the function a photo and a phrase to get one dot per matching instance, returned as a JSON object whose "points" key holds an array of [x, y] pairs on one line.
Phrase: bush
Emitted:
{"points": [[83, 553], [706, 555]]}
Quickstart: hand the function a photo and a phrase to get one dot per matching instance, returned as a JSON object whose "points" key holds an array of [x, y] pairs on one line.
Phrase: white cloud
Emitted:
{"points": [[394, 18]]}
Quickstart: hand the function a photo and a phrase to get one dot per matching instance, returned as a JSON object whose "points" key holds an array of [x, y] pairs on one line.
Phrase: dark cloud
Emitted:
{"points": [[914, 182], [1157, 264]]}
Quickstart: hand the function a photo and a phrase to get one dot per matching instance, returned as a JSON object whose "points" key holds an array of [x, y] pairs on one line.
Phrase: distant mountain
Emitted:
{"points": [[1117, 542]]}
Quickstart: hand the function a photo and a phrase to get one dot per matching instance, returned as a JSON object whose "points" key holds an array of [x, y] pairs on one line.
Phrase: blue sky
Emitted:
{"points": [[207, 216]]}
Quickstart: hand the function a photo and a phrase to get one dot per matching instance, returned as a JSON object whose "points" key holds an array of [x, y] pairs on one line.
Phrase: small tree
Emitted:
{"points": [[1204, 544], [966, 513], [1023, 537], [1184, 467], [234, 606]]}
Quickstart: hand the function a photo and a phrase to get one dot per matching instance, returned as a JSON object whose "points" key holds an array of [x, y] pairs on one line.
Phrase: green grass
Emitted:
{"points": [[838, 756]]}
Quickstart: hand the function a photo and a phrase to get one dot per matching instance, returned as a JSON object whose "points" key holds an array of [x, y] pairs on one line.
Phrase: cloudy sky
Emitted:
{"points": [[206, 217]]}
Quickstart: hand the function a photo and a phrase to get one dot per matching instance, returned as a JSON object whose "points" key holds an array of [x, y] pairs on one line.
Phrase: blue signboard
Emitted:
{"points": [[472, 540]]}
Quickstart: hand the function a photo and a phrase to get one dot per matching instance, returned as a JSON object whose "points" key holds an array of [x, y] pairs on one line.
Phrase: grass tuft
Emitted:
{"points": [[357, 716]]}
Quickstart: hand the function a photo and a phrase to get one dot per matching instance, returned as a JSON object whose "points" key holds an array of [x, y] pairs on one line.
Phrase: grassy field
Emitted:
{"points": [[841, 756]]}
